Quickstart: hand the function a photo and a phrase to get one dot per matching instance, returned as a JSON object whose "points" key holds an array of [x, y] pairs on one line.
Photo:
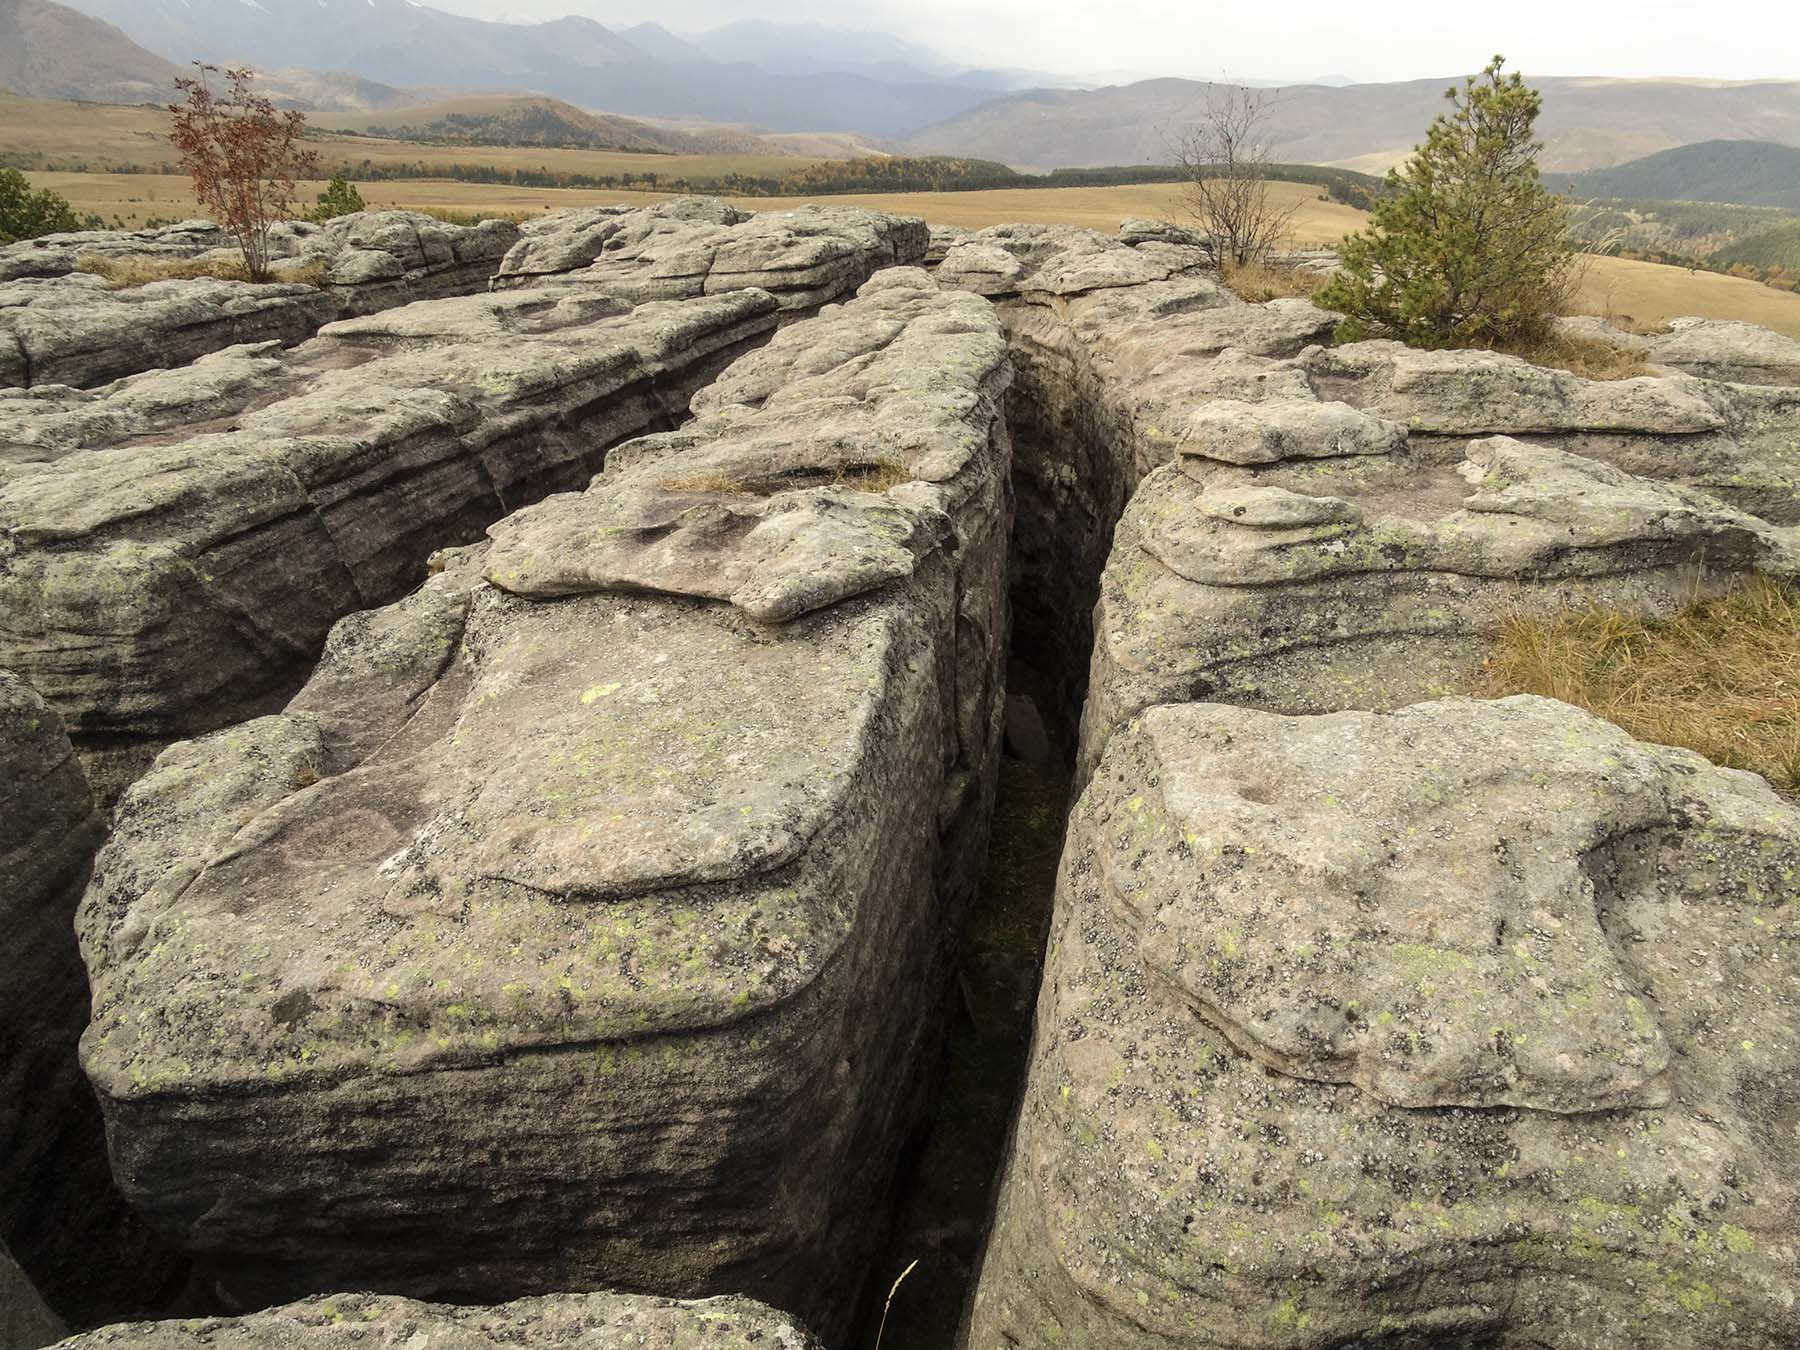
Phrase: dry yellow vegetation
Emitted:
{"points": [[1722, 676], [51, 134]]}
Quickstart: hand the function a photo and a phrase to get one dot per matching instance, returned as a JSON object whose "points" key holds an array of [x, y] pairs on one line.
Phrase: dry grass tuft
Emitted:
{"points": [[1257, 282], [1590, 358], [124, 273], [1721, 676], [877, 477], [711, 481]]}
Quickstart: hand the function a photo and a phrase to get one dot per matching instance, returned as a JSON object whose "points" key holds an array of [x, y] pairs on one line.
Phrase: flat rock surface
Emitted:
{"points": [[564, 864], [174, 547], [1469, 1023], [383, 1322], [702, 246]]}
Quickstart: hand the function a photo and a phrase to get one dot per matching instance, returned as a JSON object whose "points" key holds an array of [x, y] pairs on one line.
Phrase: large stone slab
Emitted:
{"points": [[59, 325], [702, 246], [1470, 1024], [1370, 580], [1718, 349], [383, 1322], [587, 918], [174, 547]]}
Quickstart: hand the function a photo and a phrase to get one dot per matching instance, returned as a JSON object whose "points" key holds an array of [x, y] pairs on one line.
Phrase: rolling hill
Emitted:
{"points": [[532, 119], [1587, 123], [1749, 173], [50, 51]]}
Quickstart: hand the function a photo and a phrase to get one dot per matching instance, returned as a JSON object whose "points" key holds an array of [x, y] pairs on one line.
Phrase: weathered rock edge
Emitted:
{"points": [[1471, 1023], [645, 905], [695, 246], [384, 1322]]}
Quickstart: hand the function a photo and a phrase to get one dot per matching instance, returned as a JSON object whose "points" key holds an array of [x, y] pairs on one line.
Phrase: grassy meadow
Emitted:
{"points": [[46, 137]]}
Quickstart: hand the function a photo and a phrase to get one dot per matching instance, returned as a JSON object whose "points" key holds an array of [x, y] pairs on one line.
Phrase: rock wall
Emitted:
{"points": [[61, 325], [59, 1211], [178, 544], [696, 246], [1469, 1024], [379, 1322], [587, 918]]}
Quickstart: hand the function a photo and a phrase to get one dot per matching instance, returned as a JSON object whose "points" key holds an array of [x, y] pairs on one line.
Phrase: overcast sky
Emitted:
{"points": [[1290, 40]]}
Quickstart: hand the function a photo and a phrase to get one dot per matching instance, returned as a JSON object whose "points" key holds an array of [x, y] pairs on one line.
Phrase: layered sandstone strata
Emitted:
{"points": [[62, 325], [175, 546]]}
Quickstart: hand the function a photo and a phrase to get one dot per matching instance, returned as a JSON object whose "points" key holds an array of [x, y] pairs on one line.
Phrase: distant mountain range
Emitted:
{"points": [[1587, 123], [798, 81], [534, 119], [399, 42], [1749, 173]]}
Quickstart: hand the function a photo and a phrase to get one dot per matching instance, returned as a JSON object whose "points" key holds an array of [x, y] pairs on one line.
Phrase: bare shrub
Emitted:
{"points": [[1225, 157]]}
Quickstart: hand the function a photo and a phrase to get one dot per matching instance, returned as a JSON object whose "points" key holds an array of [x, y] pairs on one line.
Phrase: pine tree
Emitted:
{"points": [[340, 198], [1469, 248]]}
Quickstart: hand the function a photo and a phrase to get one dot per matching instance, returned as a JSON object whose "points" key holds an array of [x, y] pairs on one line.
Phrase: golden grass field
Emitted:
{"points": [[47, 132]]}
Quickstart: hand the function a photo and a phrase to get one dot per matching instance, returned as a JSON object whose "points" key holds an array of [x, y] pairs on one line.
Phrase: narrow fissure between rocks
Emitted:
{"points": [[1069, 493]]}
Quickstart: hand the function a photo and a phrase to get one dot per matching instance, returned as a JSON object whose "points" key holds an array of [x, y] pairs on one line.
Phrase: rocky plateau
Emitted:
{"points": [[500, 743]]}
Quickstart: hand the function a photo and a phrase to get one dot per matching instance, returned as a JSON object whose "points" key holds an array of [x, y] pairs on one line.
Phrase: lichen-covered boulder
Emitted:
{"points": [[174, 547], [558, 1322], [60, 325], [1370, 580], [1468, 1024], [587, 918], [702, 246]]}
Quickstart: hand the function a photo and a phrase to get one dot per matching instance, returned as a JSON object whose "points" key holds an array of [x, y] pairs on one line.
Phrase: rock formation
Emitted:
{"points": [[1314, 567], [1469, 1024], [700, 246], [559, 1322], [586, 919], [177, 545], [61, 325]]}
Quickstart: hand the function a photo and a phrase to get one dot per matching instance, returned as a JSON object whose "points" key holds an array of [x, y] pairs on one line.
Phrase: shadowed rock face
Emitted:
{"points": [[25, 1323], [1328, 581], [62, 326], [586, 919], [380, 1322], [1470, 1024], [701, 246], [177, 545]]}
